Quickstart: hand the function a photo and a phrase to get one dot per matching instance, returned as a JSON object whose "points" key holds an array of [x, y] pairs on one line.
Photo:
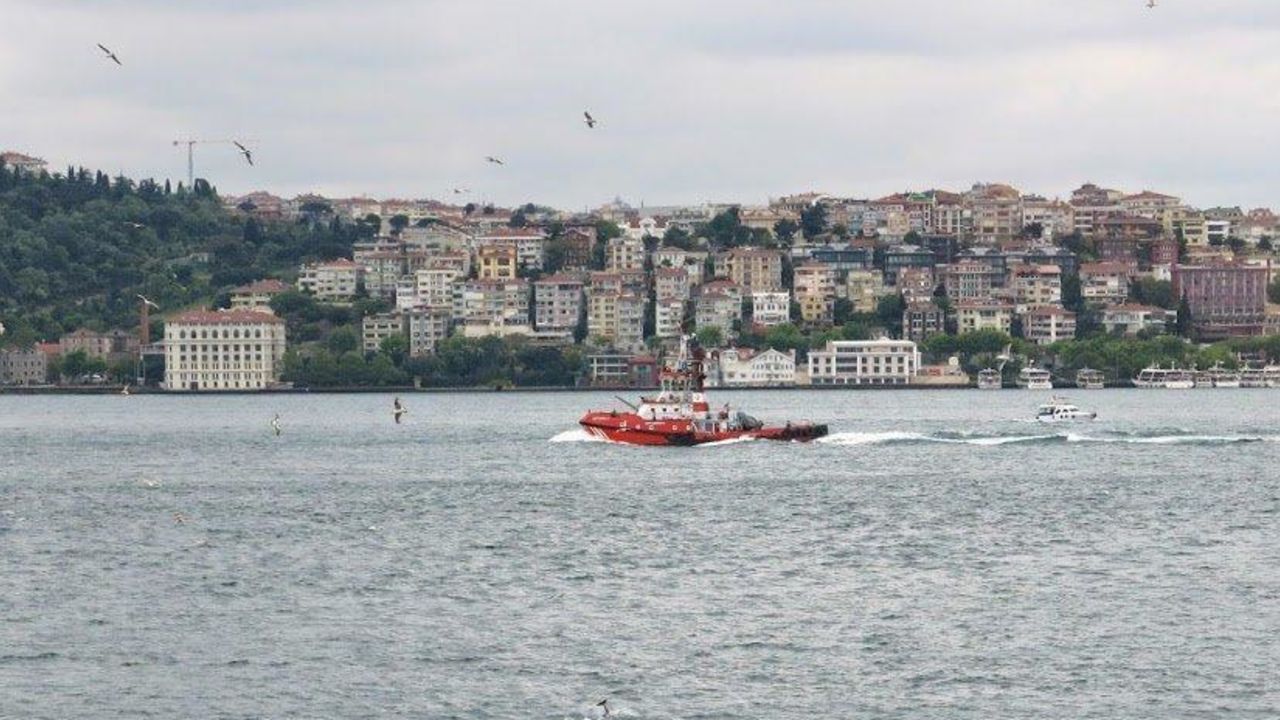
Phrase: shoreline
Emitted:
{"points": [[410, 390]]}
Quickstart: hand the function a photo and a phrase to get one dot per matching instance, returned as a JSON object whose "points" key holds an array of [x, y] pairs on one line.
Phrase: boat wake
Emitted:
{"points": [[577, 435], [911, 438]]}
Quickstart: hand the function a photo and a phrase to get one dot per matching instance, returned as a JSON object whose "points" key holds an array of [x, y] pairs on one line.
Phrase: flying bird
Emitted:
{"points": [[398, 410], [275, 424], [460, 191], [1151, 4], [145, 301], [248, 156], [494, 160], [110, 54], [604, 704], [136, 225], [586, 118]]}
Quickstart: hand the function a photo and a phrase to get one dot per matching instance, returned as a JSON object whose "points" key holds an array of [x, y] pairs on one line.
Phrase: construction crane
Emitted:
{"points": [[191, 145]]}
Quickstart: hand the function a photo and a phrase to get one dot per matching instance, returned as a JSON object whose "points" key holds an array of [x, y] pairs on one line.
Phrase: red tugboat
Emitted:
{"points": [[680, 415]]}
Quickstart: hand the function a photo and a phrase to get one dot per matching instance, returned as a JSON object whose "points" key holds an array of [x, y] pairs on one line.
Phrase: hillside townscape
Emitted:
{"points": [[104, 280]]}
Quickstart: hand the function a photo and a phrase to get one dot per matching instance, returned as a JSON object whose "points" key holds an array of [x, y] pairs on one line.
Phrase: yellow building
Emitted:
{"points": [[497, 261]]}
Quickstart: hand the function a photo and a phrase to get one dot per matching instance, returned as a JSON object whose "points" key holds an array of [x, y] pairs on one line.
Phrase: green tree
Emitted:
{"points": [[710, 337], [785, 229], [343, 340], [813, 220], [399, 223], [1184, 322]]}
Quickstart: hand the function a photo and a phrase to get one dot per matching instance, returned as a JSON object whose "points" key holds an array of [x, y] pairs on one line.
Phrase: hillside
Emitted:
{"points": [[77, 247]]}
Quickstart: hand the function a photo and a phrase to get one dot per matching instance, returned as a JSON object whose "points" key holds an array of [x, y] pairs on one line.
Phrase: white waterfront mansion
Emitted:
{"points": [[223, 350], [864, 362], [744, 367]]}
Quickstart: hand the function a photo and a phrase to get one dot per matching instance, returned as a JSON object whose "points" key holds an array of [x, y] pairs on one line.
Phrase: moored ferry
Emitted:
{"points": [[1218, 377], [1170, 378], [1034, 378], [681, 415], [1263, 377], [990, 379], [1090, 379]]}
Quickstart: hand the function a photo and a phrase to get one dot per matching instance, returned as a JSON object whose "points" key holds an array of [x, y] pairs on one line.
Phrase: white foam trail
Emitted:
{"points": [[576, 435], [730, 441], [1173, 439], [869, 438]]}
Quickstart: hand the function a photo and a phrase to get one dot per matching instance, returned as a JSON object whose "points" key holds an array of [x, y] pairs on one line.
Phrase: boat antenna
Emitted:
{"points": [[624, 401]]}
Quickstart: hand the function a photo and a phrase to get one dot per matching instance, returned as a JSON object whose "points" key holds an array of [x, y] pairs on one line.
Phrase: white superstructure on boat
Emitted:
{"points": [[990, 379], [1059, 410], [1033, 378], [1090, 379], [1170, 378]]}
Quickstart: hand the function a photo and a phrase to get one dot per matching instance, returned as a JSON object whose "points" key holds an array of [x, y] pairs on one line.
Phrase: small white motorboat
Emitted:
{"points": [[1059, 410]]}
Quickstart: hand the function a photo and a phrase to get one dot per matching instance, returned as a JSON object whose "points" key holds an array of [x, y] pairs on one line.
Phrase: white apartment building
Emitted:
{"points": [[1104, 282], [975, 315], [616, 319], [376, 328], [225, 350], [864, 288], [623, 254], [557, 302], [427, 327], [335, 281], [668, 315], [770, 308], [1037, 286], [864, 362], [671, 282], [717, 309]]}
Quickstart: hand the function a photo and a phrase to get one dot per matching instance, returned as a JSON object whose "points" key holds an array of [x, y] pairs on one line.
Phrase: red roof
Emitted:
{"points": [[225, 317], [269, 285]]}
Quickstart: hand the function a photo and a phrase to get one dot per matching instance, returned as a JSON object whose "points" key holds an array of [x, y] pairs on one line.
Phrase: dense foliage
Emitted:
{"points": [[76, 248]]}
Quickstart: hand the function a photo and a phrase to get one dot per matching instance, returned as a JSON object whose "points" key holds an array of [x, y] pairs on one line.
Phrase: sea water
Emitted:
{"points": [[940, 555]]}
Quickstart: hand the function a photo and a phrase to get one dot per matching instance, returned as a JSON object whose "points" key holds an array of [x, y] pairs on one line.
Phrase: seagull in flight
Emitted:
{"points": [[398, 410], [460, 191], [604, 704], [145, 301], [1151, 4], [136, 225], [248, 156], [494, 160], [110, 54], [586, 118]]}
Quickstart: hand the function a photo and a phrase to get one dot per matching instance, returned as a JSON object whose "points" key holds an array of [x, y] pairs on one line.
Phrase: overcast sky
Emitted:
{"points": [[697, 100]]}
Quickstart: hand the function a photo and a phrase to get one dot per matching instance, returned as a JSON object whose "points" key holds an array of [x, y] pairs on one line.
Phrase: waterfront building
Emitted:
{"points": [[621, 370], [864, 362], [223, 350], [333, 281], [23, 366], [1047, 325], [113, 345], [1226, 299], [744, 367], [1132, 318]]}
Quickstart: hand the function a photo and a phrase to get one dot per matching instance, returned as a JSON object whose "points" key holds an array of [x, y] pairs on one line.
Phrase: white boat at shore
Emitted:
{"points": [[1033, 378], [990, 379], [1090, 379], [1170, 378], [1260, 377]]}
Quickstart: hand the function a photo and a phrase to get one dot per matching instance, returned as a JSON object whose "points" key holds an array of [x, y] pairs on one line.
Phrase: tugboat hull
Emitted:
{"points": [[632, 429]]}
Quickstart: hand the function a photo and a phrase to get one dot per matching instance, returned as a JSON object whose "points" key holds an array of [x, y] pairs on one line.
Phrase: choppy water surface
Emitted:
{"points": [[938, 556]]}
